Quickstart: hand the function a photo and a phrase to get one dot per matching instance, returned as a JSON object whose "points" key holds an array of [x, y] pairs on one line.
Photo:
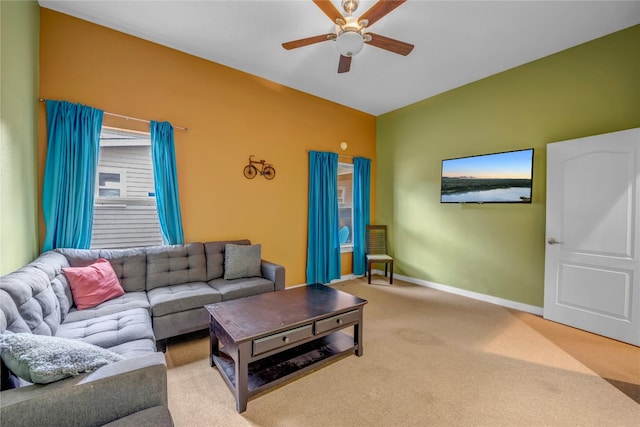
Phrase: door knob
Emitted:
{"points": [[553, 241]]}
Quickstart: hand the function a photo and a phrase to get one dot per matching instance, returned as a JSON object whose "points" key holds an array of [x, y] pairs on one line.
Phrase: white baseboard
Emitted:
{"points": [[452, 290], [341, 279], [475, 295], [345, 277]]}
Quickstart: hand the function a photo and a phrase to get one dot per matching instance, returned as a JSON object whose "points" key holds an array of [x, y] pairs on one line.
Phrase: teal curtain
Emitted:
{"points": [[323, 245], [361, 210], [73, 145], [163, 155]]}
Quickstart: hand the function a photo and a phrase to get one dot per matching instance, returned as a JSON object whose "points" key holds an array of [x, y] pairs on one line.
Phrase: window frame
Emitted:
{"points": [[130, 197], [122, 186], [344, 169]]}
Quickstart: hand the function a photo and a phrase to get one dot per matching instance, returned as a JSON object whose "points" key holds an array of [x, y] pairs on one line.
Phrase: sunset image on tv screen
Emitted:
{"points": [[488, 178]]}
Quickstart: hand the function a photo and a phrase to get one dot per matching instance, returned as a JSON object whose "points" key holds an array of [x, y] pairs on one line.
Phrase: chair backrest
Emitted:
{"points": [[375, 239]]}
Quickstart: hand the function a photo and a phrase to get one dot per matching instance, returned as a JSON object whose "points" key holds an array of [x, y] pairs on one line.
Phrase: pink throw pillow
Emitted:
{"points": [[93, 284]]}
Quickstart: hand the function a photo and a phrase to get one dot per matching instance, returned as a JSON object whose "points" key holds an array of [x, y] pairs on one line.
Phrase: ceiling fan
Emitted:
{"points": [[351, 33]]}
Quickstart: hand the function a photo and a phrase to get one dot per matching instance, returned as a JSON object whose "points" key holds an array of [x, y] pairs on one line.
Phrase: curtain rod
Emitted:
{"points": [[129, 118], [339, 155]]}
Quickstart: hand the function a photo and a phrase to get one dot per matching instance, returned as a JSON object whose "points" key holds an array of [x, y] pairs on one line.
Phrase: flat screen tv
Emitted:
{"points": [[505, 177]]}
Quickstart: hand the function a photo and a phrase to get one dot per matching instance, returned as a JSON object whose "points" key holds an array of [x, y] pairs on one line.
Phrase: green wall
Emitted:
{"points": [[19, 34], [496, 250]]}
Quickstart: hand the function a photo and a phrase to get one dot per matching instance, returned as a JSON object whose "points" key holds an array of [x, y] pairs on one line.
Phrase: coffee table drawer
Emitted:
{"points": [[338, 321], [262, 345]]}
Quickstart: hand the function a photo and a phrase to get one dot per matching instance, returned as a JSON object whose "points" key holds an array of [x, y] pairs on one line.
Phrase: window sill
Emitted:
{"points": [[346, 248]]}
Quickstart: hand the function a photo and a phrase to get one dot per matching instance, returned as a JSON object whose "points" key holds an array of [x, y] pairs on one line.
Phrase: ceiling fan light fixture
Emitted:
{"points": [[349, 43], [350, 6], [351, 33]]}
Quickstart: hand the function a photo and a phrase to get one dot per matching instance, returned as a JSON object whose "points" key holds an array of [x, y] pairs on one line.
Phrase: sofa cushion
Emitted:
{"points": [[123, 303], [93, 284], [44, 359], [110, 330], [61, 288], [176, 298], [240, 288], [10, 318], [242, 261], [51, 263], [175, 265], [215, 256], [130, 265], [28, 302], [137, 348]]}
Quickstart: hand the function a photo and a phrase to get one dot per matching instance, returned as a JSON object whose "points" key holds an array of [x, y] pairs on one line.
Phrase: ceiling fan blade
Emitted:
{"points": [[329, 9], [395, 46], [345, 64], [379, 10], [305, 42]]}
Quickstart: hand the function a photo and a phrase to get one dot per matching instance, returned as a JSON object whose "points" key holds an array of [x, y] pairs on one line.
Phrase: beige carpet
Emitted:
{"points": [[430, 359]]}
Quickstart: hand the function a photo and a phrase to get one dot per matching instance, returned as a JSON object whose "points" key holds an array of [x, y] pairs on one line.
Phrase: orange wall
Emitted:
{"points": [[230, 115]]}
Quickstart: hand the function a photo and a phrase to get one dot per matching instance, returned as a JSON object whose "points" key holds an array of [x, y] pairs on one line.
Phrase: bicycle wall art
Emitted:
{"points": [[265, 169]]}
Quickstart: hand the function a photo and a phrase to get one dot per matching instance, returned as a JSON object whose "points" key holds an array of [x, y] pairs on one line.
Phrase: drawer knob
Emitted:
{"points": [[285, 340], [339, 321]]}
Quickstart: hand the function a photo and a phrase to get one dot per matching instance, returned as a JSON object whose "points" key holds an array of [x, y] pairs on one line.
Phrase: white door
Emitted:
{"points": [[592, 264]]}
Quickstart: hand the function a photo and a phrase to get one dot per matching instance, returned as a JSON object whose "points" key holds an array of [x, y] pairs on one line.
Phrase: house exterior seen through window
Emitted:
{"points": [[345, 206], [125, 213]]}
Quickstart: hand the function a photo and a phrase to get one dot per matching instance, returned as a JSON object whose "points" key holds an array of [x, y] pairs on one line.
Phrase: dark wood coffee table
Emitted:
{"points": [[261, 341]]}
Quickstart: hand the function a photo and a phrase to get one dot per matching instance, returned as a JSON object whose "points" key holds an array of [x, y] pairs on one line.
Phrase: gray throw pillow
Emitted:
{"points": [[242, 261], [43, 359]]}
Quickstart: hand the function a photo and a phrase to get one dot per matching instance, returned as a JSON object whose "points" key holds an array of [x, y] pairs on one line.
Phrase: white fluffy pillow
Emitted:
{"points": [[43, 359]]}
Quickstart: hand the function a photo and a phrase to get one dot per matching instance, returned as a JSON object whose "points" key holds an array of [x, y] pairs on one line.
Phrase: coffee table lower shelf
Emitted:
{"points": [[281, 367]]}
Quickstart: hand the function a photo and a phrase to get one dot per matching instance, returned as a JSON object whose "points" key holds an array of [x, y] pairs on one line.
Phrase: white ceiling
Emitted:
{"points": [[456, 42]]}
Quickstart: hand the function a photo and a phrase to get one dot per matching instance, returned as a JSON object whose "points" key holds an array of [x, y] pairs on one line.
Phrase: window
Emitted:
{"points": [[125, 213], [345, 206], [110, 183]]}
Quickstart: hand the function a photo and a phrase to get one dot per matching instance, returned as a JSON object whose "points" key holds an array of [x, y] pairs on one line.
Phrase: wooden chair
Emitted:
{"points": [[375, 249]]}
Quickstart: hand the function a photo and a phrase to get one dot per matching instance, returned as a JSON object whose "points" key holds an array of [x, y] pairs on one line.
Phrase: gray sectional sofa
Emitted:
{"points": [[166, 288]]}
